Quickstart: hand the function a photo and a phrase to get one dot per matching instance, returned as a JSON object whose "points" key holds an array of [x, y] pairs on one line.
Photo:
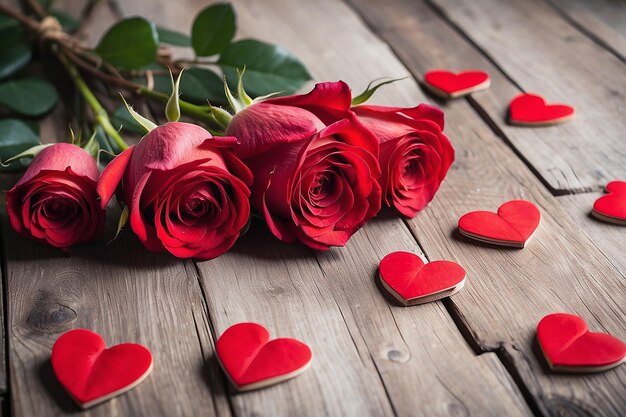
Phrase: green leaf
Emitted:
{"points": [[103, 143], [28, 153], [235, 104], [33, 125], [45, 3], [199, 85], [242, 95], [369, 90], [213, 29], [121, 118], [106, 153], [15, 52], [146, 124], [67, 21], [130, 44], [15, 137], [7, 22], [173, 38], [172, 108], [28, 96], [121, 222], [269, 68], [92, 146], [222, 116]]}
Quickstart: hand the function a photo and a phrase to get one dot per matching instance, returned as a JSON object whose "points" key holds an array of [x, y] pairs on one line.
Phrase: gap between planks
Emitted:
{"points": [[233, 268], [600, 31], [415, 25]]}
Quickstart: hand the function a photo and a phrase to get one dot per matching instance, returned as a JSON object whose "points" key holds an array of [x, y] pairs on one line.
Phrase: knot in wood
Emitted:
{"points": [[51, 317], [396, 355], [570, 407]]}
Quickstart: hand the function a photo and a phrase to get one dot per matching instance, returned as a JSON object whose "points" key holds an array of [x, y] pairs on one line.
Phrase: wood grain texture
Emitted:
{"points": [[610, 239], [564, 156], [536, 47], [512, 289], [3, 352], [366, 353], [603, 20], [559, 271], [124, 293]]}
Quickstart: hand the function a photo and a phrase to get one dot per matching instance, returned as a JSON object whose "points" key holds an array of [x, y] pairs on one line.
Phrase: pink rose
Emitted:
{"points": [[56, 201], [414, 153], [314, 165], [187, 193]]}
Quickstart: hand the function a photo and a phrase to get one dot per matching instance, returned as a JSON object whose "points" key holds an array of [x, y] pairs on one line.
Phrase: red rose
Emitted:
{"points": [[56, 201], [314, 165], [414, 153], [187, 193]]}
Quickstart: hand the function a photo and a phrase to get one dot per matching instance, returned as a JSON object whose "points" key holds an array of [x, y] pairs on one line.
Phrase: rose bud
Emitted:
{"points": [[56, 201], [414, 153], [187, 193], [314, 177]]}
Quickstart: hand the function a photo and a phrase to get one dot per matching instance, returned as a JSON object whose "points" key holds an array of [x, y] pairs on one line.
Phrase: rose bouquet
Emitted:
{"points": [[315, 167]]}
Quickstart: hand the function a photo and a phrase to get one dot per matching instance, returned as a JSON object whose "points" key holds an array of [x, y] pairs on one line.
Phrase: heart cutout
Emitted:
{"points": [[612, 207], [569, 346], [405, 276], [513, 225], [91, 373], [447, 84], [251, 360], [532, 110]]}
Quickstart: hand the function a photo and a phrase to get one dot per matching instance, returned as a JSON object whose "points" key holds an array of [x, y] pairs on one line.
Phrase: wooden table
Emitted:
{"points": [[474, 354]]}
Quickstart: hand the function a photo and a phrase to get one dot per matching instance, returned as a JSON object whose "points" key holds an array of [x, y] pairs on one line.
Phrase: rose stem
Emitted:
{"points": [[197, 112], [102, 118]]}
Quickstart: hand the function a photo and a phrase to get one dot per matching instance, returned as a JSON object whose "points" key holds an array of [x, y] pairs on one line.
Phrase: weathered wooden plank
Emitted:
{"points": [[121, 291], [357, 338], [543, 53], [563, 156], [124, 293], [610, 239], [355, 335], [512, 289], [3, 353], [281, 286], [603, 20], [49, 129]]}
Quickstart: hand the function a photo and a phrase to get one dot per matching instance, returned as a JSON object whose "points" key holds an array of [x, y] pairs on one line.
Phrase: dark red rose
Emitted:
{"points": [[55, 202], [187, 193], [315, 166], [415, 155]]}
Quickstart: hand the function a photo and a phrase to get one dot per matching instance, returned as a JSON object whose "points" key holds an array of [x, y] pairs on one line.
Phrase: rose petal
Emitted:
{"points": [[112, 175]]}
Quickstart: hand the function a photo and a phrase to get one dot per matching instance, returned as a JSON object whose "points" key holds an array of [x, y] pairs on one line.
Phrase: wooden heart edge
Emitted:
{"points": [[456, 94], [446, 292]]}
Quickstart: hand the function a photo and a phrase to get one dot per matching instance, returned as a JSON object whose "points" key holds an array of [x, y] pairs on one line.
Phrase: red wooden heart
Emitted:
{"points": [[532, 110], [569, 346], [513, 224], [612, 207], [91, 373], [251, 360], [405, 276], [448, 84]]}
